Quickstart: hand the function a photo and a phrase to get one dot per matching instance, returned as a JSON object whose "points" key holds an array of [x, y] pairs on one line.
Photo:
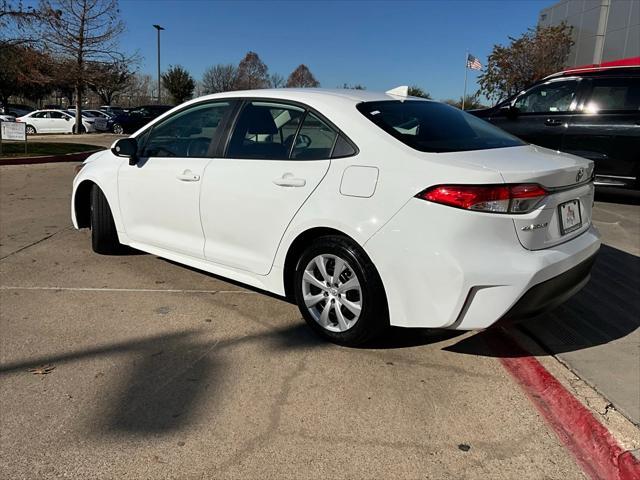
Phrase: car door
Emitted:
{"points": [[59, 122], [160, 195], [540, 115], [606, 128], [277, 155]]}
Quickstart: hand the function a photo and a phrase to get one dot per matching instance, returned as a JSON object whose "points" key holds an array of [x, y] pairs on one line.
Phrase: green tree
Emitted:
{"points": [[109, 80], [179, 83], [416, 91], [302, 77], [471, 101], [537, 53], [252, 73]]}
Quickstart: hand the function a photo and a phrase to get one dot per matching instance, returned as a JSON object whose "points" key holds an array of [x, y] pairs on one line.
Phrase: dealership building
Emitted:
{"points": [[603, 30]]}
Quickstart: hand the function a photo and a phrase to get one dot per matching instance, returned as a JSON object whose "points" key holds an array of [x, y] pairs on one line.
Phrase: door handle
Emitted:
{"points": [[552, 122], [188, 176], [288, 180]]}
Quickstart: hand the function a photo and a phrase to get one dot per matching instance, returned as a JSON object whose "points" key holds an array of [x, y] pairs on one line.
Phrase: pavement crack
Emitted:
{"points": [[36, 242], [275, 416]]}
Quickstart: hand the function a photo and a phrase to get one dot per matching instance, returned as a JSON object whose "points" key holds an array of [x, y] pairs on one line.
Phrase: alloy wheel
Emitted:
{"points": [[332, 293]]}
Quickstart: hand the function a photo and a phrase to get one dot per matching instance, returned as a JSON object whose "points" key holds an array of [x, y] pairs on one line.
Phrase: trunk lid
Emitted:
{"points": [[566, 177]]}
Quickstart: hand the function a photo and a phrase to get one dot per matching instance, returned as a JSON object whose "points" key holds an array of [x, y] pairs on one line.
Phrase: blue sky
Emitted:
{"points": [[380, 44]]}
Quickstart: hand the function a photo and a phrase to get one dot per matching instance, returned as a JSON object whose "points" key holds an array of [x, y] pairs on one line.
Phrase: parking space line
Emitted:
{"points": [[107, 289]]}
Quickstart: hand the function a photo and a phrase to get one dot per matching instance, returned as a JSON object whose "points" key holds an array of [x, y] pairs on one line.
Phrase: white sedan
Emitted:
{"points": [[367, 209], [53, 121]]}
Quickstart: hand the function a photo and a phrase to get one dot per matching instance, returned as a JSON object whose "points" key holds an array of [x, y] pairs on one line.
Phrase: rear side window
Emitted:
{"points": [[265, 130], [315, 139], [435, 127], [614, 94]]}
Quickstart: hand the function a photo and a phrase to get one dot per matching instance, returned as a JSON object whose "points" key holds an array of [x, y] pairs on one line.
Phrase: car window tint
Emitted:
{"points": [[614, 94], [315, 139], [265, 130], [548, 97], [39, 115], [343, 148], [56, 115], [188, 133], [435, 127]]}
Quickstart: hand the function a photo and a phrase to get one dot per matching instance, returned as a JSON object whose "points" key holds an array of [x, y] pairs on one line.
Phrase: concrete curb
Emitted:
{"points": [[68, 157]]}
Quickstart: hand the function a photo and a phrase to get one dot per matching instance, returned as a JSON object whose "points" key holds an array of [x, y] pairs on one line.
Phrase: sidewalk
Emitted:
{"points": [[596, 333]]}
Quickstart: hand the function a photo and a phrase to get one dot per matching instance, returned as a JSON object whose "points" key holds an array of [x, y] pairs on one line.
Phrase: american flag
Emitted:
{"points": [[473, 63]]}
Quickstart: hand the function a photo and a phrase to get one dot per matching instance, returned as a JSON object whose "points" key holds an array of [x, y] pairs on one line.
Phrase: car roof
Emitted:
{"points": [[310, 96]]}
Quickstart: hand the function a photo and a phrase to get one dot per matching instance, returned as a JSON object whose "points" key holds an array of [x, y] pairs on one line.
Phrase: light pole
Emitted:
{"points": [[158, 28]]}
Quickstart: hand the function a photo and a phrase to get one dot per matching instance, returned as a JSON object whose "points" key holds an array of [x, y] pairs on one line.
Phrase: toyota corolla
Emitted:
{"points": [[366, 209]]}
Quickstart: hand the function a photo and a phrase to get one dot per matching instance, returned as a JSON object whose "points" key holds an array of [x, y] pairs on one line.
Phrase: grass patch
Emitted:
{"points": [[38, 149]]}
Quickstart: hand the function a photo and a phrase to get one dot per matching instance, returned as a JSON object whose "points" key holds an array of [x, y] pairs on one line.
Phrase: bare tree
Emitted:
{"points": [[252, 73], [302, 77], [17, 22], [276, 81], [86, 32], [219, 78]]}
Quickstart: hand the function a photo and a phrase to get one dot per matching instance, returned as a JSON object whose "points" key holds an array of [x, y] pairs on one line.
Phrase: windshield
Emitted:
{"points": [[435, 127]]}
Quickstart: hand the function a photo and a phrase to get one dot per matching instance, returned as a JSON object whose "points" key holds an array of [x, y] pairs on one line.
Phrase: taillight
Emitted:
{"points": [[487, 198]]}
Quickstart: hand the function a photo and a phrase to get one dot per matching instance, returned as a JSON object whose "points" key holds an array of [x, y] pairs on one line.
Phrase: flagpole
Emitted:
{"points": [[466, 60]]}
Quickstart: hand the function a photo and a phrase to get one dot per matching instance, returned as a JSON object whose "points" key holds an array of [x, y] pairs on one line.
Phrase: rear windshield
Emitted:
{"points": [[435, 127]]}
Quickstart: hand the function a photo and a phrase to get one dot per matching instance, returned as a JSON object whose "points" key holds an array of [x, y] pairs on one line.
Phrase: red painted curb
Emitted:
{"points": [[594, 448], [69, 157]]}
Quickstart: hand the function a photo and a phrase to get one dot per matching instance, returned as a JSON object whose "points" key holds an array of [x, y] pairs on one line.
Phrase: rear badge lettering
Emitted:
{"points": [[534, 226]]}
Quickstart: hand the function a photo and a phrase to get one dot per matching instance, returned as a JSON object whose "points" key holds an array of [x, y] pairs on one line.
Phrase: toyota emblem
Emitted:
{"points": [[580, 174]]}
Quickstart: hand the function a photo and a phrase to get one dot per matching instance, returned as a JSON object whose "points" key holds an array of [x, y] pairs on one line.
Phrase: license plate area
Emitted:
{"points": [[570, 216]]}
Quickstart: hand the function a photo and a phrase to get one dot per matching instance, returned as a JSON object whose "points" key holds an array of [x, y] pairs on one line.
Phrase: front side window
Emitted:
{"points": [[548, 97], [614, 94], [188, 133], [265, 130], [315, 139], [435, 127]]}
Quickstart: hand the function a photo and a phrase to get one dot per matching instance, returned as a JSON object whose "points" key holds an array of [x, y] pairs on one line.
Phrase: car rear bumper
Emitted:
{"points": [[551, 293], [449, 268]]}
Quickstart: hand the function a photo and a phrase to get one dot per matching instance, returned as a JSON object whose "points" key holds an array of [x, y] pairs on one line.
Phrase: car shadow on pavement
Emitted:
{"points": [[159, 387], [608, 308]]}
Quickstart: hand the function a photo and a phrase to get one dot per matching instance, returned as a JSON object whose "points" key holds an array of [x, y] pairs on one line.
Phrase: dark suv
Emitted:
{"points": [[136, 118], [590, 112]]}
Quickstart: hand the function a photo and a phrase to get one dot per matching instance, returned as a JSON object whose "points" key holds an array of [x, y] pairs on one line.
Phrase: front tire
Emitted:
{"points": [[117, 129], [30, 130], [104, 237], [339, 292]]}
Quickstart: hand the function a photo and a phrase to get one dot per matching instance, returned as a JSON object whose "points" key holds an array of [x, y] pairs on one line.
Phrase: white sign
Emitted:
{"points": [[13, 131]]}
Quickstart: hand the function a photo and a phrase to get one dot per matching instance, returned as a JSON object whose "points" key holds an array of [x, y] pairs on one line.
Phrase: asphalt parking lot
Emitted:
{"points": [[156, 370]]}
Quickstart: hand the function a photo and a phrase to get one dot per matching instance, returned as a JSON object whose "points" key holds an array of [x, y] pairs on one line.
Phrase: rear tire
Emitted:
{"points": [[348, 307], [104, 237], [82, 129], [117, 129]]}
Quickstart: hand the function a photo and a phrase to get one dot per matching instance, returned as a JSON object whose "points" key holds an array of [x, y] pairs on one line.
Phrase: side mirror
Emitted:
{"points": [[126, 147]]}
